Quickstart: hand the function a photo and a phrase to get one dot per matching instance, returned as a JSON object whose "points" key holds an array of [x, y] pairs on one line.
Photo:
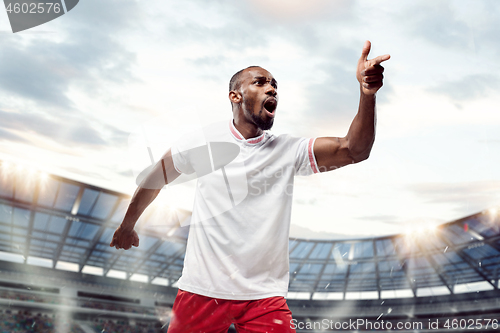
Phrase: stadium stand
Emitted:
{"points": [[58, 273]]}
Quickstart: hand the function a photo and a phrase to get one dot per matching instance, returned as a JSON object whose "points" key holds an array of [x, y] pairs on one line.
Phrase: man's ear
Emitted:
{"points": [[234, 97]]}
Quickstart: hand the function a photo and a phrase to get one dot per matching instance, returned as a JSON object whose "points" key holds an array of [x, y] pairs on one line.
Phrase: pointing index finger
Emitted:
{"points": [[379, 59]]}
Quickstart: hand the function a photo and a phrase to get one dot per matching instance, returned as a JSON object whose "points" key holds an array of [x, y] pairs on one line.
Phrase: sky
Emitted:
{"points": [[76, 92]]}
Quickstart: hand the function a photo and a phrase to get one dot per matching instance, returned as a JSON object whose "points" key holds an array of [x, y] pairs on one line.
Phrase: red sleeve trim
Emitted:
{"points": [[312, 158]]}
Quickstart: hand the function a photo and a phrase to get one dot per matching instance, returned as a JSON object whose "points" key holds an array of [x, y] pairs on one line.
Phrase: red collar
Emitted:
{"points": [[240, 137]]}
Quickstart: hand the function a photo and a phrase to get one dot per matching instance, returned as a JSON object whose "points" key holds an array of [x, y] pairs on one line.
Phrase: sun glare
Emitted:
{"points": [[6, 166], [493, 212], [26, 176], [421, 230], [43, 177]]}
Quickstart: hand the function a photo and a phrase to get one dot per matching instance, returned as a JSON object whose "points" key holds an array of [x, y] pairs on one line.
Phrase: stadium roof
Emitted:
{"points": [[56, 222]]}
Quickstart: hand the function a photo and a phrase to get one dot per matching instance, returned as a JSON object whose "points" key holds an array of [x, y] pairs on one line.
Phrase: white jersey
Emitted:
{"points": [[238, 239]]}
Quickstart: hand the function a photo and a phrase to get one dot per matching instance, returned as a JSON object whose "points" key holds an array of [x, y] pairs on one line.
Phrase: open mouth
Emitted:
{"points": [[270, 105]]}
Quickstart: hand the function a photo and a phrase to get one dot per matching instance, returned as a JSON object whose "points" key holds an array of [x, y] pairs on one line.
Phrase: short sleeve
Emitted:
{"points": [[305, 162]]}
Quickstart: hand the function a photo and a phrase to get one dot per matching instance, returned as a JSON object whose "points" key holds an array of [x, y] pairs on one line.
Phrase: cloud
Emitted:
{"points": [[453, 26], [83, 134], [44, 71], [234, 27], [70, 131], [32, 72], [468, 87], [83, 53], [208, 61], [39, 73], [485, 30], [97, 175], [391, 219], [27, 122], [438, 24], [466, 197], [8, 135], [230, 36], [125, 173], [336, 98], [227, 34], [106, 18], [294, 11]]}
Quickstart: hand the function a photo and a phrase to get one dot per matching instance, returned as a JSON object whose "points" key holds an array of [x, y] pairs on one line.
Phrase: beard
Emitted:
{"points": [[261, 123], [256, 119]]}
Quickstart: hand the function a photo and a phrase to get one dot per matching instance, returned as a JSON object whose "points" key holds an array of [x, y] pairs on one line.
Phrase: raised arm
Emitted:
{"points": [[331, 152], [125, 236]]}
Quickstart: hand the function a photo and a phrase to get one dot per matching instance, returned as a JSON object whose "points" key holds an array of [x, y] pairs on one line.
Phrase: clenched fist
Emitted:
{"points": [[124, 238]]}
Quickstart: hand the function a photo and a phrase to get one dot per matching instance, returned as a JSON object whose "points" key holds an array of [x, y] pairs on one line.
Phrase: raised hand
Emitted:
{"points": [[369, 72]]}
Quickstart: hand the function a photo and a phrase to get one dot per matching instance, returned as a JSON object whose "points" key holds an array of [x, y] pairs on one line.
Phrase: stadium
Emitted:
{"points": [[58, 273]]}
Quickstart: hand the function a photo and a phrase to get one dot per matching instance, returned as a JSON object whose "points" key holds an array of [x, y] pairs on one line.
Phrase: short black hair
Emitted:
{"points": [[235, 83]]}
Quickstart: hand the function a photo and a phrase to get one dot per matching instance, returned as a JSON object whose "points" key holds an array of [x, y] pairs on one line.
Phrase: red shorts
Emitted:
{"points": [[195, 314]]}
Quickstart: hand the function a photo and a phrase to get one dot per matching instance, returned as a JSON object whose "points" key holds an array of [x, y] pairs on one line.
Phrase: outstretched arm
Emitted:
{"points": [[125, 236], [332, 153]]}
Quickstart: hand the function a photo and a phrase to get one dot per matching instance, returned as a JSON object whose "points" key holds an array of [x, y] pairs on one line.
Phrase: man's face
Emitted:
{"points": [[259, 97]]}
